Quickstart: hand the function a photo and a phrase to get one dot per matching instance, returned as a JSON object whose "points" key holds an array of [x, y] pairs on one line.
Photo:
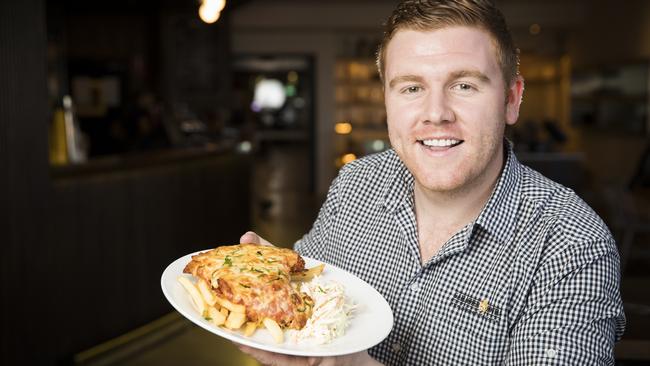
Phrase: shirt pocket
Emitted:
{"points": [[477, 329]]}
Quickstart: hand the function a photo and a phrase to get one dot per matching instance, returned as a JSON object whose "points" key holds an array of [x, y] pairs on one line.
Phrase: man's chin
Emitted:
{"points": [[441, 186]]}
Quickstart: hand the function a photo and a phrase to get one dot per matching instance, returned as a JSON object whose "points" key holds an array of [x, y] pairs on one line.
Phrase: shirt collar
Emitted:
{"points": [[500, 212], [397, 192], [497, 216]]}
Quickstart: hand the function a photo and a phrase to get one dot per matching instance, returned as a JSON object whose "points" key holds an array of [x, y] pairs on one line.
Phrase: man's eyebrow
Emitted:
{"points": [[453, 76], [470, 74], [404, 79]]}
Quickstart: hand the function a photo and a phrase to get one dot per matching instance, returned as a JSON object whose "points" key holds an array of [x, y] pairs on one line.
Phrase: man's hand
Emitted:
{"points": [[252, 238], [276, 359]]}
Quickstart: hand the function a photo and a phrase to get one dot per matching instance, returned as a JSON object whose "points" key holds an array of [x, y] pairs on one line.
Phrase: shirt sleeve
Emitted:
{"points": [[313, 244], [574, 313]]}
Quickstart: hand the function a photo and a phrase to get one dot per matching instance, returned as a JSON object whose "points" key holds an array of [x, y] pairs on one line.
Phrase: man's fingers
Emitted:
{"points": [[314, 361], [273, 359], [249, 237], [253, 238]]}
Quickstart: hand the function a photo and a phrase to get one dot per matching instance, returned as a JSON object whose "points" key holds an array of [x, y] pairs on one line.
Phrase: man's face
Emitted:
{"points": [[446, 106]]}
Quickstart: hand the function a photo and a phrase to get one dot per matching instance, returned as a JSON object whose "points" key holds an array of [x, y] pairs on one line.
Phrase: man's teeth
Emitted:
{"points": [[440, 143]]}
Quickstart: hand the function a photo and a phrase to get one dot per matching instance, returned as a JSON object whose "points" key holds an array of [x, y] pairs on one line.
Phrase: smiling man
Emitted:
{"points": [[447, 104], [483, 260]]}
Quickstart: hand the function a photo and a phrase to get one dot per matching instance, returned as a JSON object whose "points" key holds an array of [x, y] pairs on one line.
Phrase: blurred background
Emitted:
{"points": [[134, 132]]}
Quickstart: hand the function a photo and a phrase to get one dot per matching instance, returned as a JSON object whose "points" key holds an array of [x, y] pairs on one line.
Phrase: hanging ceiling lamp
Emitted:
{"points": [[210, 10]]}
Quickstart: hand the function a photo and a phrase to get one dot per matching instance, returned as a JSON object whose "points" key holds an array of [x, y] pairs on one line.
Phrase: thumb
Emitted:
{"points": [[252, 238]]}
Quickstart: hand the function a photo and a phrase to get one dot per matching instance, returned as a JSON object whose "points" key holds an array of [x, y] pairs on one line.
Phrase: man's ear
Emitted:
{"points": [[515, 93]]}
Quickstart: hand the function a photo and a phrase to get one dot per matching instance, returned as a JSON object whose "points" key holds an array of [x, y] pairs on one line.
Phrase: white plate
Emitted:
{"points": [[370, 324]]}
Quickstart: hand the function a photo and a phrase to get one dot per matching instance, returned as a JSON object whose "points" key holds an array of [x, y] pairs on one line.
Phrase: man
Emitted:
{"points": [[483, 260]]}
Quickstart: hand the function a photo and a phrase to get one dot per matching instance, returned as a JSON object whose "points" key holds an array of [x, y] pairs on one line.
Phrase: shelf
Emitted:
{"points": [[359, 100]]}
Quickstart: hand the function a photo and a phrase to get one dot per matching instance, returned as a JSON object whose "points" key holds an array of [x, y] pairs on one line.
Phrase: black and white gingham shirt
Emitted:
{"points": [[534, 280]]}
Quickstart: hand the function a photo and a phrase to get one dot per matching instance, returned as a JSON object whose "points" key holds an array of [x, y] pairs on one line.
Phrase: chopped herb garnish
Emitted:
{"points": [[207, 318], [321, 290], [245, 286], [259, 253], [227, 261]]}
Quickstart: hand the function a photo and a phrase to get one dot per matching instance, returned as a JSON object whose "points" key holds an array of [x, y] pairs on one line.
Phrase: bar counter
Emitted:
{"points": [[141, 160], [115, 223]]}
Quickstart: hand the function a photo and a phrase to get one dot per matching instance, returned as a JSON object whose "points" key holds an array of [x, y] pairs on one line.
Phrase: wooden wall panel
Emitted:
{"points": [[118, 231], [23, 178]]}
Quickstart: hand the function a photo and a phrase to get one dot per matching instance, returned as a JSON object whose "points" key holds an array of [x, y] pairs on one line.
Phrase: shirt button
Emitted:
{"points": [[396, 347], [415, 287], [551, 352]]}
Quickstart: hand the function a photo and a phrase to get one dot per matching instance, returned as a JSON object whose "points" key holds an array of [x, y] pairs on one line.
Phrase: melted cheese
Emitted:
{"points": [[259, 278]]}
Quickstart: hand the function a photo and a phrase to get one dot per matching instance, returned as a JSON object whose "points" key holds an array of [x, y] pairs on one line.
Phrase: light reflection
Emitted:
{"points": [[343, 128], [269, 94], [292, 77], [245, 147], [378, 145], [347, 158]]}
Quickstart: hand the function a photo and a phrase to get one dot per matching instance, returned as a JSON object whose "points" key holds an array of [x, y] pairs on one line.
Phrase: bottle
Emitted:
{"points": [[73, 136], [58, 142]]}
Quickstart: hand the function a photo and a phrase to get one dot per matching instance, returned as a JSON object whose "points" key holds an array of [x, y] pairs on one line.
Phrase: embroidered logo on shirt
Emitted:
{"points": [[474, 305]]}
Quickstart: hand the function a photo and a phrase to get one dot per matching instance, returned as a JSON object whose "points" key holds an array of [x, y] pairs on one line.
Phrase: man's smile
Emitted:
{"points": [[438, 144]]}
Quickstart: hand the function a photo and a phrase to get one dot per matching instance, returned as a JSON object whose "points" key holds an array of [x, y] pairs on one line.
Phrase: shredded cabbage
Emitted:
{"points": [[330, 315]]}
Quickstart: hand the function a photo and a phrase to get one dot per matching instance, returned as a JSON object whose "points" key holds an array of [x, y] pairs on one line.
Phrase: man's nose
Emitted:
{"points": [[437, 108]]}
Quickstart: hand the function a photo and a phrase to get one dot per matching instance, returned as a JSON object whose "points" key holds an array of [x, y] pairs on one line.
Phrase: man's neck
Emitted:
{"points": [[440, 215]]}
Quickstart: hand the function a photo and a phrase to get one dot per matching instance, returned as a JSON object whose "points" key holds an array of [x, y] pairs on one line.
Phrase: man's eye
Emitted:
{"points": [[463, 87], [412, 89]]}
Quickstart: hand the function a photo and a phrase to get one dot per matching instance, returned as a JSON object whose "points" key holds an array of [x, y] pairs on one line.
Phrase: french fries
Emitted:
{"points": [[235, 320], [274, 329], [250, 329], [197, 299], [217, 310], [204, 288], [308, 274], [216, 317], [235, 308], [223, 313]]}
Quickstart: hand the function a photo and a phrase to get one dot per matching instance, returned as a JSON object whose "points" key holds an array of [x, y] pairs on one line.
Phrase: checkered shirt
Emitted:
{"points": [[534, 280]]}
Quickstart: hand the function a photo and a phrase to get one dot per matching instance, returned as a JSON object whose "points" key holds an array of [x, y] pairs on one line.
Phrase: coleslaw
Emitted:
{"points": [[330, 315]]}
